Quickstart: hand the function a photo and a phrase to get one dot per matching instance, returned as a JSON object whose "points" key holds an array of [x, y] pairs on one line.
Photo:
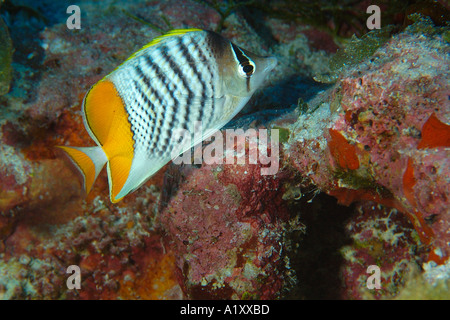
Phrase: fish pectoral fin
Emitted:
{"points": [[118, 172], [89, 161], [198, 101]]}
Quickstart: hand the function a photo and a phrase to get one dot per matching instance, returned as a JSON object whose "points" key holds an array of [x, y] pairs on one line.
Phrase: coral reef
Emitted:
{"points": [[362, 179], [388, 140], [385, 238], [227, 225]]}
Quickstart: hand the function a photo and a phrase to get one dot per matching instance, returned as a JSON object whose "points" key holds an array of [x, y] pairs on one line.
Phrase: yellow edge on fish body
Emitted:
{"points": [[162, 37]]}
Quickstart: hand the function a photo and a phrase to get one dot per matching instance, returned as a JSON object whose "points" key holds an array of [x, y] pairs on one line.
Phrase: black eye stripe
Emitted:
{"points": [[243, 60], [245, 63]]}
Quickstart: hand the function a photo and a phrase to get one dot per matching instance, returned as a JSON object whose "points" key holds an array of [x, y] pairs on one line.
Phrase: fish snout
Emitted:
{"points": [[269, 64]]}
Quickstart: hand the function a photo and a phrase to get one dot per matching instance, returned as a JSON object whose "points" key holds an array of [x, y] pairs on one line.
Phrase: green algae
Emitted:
{"points": [[249, 296], [353, 179], [355, 51], [6, 52], [302, 106], [425, 25], [419, 289], [446, 36], [437, 12], [283, 134]]}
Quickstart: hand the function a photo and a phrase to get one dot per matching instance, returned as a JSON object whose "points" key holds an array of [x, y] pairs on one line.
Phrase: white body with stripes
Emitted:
{"points": [[182, 78]]}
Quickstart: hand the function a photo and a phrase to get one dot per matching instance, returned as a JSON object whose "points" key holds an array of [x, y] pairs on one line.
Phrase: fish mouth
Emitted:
{"points": [[270, 63]]}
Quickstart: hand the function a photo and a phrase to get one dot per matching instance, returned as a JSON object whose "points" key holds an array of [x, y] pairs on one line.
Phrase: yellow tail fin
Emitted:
{"points": [[89, 162]]}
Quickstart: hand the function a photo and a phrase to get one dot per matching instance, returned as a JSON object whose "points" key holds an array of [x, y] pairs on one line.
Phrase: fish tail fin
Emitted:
{"points": [[89, 161]]}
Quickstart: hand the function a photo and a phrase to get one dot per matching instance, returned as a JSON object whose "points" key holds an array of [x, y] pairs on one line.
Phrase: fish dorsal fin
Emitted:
{"points": [[175, 32]]}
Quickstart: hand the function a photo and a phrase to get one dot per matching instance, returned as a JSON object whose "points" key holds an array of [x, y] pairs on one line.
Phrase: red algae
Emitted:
{"points": [[434, 134], [408, 183], [342, 151]]}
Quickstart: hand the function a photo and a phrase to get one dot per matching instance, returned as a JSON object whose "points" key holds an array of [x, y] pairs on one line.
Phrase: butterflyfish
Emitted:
{"points": [[178, 79]]}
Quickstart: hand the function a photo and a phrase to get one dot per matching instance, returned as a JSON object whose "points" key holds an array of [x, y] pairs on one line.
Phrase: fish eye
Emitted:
{"points": [[246, 70]]}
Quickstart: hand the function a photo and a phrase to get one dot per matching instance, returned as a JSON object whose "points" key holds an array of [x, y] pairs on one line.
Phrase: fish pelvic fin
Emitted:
{"points": [[89, 161], [118, 171]]}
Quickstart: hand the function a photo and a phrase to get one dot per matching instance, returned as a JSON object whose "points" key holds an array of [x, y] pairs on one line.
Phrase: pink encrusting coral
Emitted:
{"points": [[377, 148], [227, 224], [381, 237]]}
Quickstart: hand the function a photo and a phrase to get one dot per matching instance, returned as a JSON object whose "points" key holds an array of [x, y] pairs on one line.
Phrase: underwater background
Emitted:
{"points": [[364, 157]]}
